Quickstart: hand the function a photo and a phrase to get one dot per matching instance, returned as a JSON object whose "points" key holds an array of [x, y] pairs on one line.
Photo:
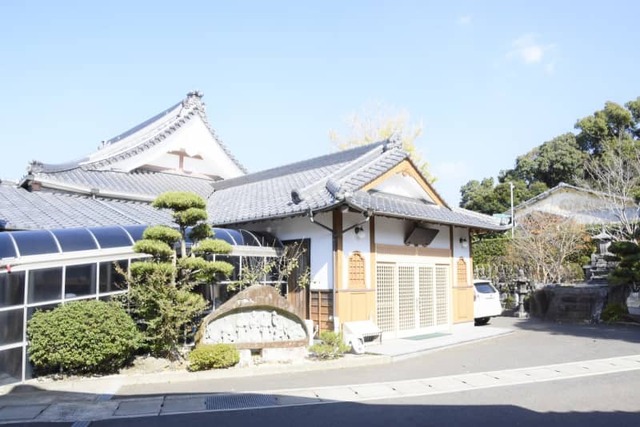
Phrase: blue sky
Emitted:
{"points": [[488, 80]]}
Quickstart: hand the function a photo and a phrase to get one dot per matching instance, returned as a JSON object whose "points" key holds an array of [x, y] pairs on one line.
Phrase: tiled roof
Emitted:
{"points": [[289, 190], [401, 207], [141, 138], [297, 189], [24, 210], [145, 184], [323, 183], [559, 187]]}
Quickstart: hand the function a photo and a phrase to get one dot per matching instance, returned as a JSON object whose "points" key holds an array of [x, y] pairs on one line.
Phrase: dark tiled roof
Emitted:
{"points": [[317, 184], [24, 210], [401, 207], [294, 189], [323, 183], [142, 183]]}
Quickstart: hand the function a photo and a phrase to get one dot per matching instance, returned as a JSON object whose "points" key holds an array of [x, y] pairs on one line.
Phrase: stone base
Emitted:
{"points": [[283, 355], [246, 359], [272, 355]]}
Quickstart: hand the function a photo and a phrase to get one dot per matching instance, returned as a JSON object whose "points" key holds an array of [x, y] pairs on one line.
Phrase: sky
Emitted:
{"points": [[486, 80]]}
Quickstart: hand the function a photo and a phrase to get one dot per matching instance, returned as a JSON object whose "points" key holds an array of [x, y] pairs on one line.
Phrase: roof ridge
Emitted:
{"points": [[387, 151], [334, 183], [560, 186], [291, 168], [203, 115]]}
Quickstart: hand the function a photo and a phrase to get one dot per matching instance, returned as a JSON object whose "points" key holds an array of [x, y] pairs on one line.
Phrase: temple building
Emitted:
{"points": [[381, 245]]}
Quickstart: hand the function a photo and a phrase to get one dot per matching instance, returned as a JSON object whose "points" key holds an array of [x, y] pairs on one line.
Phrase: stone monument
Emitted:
{"points": [[260, 323]]}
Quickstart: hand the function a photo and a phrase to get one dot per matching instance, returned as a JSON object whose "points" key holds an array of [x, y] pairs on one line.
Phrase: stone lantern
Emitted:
{"points": [[522, 289]]}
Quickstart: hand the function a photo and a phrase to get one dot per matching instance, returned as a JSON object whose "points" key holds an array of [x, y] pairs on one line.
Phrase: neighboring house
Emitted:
{"points": [[585, 206], [383, 246]]}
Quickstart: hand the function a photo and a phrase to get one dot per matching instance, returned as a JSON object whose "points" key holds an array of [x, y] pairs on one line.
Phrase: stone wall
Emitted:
{"points": [[578, 303]]}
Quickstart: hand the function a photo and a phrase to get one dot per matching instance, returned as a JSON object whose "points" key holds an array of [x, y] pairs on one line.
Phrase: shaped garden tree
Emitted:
{"points": [[161, 296]]}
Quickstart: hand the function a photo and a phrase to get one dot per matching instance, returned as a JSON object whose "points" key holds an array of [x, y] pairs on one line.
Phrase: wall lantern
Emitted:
{"points": [[359, 232], [464, 242]]}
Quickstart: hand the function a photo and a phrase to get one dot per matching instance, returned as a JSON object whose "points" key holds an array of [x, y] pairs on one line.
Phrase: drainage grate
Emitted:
{"points": [[240, 401]]}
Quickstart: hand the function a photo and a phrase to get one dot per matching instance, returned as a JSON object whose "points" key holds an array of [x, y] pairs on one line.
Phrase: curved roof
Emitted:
{"points": [[143, 137], [16, 244]]}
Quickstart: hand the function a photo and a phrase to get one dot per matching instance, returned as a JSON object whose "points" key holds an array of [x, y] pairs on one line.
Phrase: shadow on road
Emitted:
{"points": [[373, 415], [602, 331], [227, 409]]}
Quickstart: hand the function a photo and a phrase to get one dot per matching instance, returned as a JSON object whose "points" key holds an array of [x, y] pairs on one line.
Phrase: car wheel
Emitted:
{"points": [[481, 321]]}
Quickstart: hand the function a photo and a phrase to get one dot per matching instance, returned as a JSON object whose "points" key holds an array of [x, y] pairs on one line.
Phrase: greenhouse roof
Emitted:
{"points": [[15, 244]]}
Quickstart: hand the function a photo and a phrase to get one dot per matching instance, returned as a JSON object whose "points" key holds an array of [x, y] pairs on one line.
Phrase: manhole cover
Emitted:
{"points": [[239, 401]]}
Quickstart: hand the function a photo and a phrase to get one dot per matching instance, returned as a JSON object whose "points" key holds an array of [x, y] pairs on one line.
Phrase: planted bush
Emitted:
{"points": [[614, 313], [331, 346], [213, 356], [82, 337]]}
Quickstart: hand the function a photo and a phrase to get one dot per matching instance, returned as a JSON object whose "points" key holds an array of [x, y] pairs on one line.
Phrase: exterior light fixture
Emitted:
{"points": [[464, 242], [359, 232]]}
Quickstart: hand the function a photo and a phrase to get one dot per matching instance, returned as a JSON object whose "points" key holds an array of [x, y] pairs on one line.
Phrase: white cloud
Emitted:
{"points": [[528, 50], [464, 20]]}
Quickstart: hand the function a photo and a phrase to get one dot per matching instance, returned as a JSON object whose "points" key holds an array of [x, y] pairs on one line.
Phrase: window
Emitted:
{"points": [[80, 280], [12, 289], [356, 271], [45, 284], [110, 279], [11, 326]]}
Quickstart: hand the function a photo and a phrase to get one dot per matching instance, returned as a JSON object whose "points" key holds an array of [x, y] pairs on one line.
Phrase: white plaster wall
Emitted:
{"points": [[321, 244], [391, 231], [194, 138], [458, 249], [166, 160]]}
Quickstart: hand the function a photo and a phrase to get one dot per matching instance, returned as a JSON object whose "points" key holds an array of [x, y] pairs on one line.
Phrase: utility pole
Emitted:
{"points": [[513, 220]]}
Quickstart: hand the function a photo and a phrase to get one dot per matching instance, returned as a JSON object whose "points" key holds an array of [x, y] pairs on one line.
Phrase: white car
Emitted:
{"points": [[486, 302]]}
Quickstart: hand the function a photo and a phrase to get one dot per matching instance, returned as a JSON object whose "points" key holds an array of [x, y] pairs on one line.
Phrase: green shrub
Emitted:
{"points": [[509, 302], [614, 313], [82, 337], [331, 346], [213, 356]]}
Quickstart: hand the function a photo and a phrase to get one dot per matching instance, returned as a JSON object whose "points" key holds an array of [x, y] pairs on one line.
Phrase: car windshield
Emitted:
{"points": [[484, 288]]}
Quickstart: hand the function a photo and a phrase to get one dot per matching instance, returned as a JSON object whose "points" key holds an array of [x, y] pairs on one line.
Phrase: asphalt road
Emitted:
{"points": [[533, 343], [592, 401], [598, 400]]}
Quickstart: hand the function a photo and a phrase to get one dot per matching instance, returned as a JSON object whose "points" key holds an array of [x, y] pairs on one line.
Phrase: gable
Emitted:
{"points": [[191, 150], [405, 181]]}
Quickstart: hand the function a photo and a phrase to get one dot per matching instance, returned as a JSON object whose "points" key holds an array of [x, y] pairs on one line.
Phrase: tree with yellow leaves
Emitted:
{"points": [[377, 123]]}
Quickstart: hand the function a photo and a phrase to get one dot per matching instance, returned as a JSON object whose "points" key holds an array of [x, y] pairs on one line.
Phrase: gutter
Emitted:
{"points": [[97, 192]]}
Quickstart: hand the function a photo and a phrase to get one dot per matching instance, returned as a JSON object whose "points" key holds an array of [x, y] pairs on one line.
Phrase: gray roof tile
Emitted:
{"points": [[143, 183], [323, 183], [23, 210], [316, 184], [396, 206]]}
